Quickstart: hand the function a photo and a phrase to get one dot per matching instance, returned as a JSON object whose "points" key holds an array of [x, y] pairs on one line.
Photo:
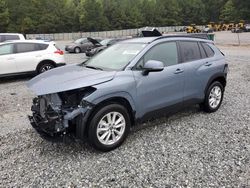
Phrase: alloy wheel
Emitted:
{"points": [[215, 97], [46, 67], [111, 128]]}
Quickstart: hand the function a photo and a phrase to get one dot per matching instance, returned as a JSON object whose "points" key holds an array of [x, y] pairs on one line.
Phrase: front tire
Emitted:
{"points": [[77, 50], [109, 127], [213, 98]]}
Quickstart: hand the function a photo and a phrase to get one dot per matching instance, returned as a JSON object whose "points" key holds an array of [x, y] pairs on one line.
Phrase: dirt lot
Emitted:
{"points": [[189, 149]]}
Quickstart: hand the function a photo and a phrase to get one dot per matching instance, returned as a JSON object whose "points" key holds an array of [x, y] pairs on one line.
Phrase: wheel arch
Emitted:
{"points": [[124, 101], [221, 77]]}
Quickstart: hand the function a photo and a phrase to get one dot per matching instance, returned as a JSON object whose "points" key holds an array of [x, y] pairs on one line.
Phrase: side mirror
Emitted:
{"points": [[152, 66]]}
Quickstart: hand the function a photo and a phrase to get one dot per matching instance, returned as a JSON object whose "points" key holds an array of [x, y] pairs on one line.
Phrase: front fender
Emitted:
{"points": [[121, 94]]}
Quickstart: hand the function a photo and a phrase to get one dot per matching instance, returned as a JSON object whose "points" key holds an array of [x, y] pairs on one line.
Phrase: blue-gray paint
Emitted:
{"points": [[145, 93]]}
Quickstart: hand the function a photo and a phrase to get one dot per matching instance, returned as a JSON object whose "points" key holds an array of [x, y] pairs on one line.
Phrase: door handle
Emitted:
{"points": [[208, 64], [178, 71]]}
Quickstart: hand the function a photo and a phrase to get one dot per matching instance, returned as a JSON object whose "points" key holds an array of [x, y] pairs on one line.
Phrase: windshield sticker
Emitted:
{"points": [[130, 52]]}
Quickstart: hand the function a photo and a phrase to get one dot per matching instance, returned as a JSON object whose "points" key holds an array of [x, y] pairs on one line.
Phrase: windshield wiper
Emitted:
{"points": [[92, 67]]}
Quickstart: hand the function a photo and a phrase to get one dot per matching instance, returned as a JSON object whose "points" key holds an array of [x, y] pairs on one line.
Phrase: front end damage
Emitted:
{"points": [[54, 114]]}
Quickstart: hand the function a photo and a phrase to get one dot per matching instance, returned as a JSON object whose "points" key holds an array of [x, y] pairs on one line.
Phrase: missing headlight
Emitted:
{"points": [[73, 98]]}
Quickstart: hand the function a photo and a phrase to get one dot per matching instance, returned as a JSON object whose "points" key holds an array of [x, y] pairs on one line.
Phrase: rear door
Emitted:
{"points": [[7, 59], [197, 64], [27, 56]]}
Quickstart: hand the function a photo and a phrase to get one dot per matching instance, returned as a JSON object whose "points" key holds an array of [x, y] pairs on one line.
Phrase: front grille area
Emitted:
{"points": [[47, 115], [42, 107]]}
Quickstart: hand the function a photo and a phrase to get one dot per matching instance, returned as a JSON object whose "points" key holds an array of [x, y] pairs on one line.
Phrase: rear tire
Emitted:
{"points": [[109, 127], [213, 98], [45, 67]]}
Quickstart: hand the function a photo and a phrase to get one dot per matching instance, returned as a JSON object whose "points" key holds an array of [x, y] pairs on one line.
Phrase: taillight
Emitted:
{"points": [[60, 52]]}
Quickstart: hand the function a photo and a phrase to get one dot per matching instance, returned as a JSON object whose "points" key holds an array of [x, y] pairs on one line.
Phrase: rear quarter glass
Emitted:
{"points": [[217, 49], [40, 46], [56, 47], [209, 51]]}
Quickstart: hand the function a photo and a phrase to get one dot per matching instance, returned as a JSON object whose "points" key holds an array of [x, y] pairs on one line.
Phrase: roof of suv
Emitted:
{"points": [[27, 41], [176, 36], [11, 34]]}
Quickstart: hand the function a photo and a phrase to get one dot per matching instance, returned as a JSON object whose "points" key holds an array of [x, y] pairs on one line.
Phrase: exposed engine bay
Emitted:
{"points": [[54, 113]]}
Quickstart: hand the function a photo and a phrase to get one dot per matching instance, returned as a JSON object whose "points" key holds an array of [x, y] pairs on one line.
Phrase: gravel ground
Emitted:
{"points": [[188, 149]]}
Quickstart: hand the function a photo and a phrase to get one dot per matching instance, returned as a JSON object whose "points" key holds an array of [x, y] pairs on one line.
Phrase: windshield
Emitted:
{"points": [[78, 41], [105, 42], [115, 57]]}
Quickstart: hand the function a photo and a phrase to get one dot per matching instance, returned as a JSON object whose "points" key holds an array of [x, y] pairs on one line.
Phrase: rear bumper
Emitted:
{"points": [[67, 49], [60, 64]]}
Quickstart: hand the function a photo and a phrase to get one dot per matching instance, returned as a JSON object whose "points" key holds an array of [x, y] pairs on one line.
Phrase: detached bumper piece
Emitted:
{"points": [[40, 128]]}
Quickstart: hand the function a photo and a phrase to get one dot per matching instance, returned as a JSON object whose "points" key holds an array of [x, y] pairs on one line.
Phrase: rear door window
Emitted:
{"points": [[6, 49], [189, 51], [1, 38], [25, 47], [208, 50], [12, 37]]}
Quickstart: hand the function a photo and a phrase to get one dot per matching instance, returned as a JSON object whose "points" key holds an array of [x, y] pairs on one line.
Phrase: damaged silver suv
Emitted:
{"points": [[131, 81]]}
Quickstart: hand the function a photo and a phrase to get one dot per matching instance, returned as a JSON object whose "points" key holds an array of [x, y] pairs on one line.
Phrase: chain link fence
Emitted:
{"points": [[102, 34]]}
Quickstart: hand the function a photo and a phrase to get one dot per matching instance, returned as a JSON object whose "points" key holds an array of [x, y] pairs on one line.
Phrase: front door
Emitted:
{"points": [[159, 90], [7, 59]]}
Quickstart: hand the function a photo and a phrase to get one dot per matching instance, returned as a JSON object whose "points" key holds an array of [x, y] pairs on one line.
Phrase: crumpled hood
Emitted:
{"points": [[67, 78], [94, 41]]}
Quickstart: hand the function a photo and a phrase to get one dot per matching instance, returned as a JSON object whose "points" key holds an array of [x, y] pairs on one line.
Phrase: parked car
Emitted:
{"points": [[44, 38], [103, 44], [129, 82], [82, 44], [148, 32], [208, 29], [29, 56], [11, 36], [183, 29], [247, 28]]}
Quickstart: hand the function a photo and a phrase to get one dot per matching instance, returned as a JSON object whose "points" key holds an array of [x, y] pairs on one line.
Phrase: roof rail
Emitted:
{"points": [[189, 35]]}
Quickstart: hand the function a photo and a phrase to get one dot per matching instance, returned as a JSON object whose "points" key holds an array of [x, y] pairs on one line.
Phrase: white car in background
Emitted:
{"points": [[29, 56], [11, 36]]}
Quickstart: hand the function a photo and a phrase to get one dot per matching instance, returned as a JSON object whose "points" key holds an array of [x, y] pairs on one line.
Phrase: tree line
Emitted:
{"points": [[46, 16]]}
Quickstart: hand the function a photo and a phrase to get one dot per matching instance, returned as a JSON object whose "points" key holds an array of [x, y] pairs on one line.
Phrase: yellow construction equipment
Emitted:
{"points": [[239, 27], [192, 29], [230, 26]]}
